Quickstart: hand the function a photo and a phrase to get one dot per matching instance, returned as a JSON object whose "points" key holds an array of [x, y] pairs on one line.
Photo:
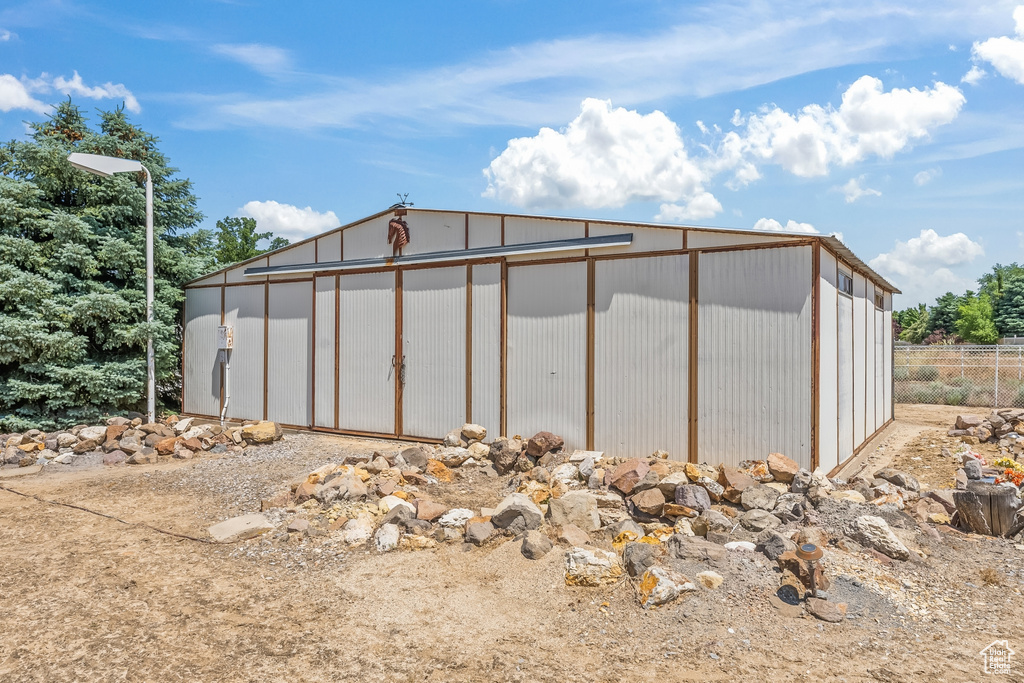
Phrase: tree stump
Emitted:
{"points": [[987, 508]]}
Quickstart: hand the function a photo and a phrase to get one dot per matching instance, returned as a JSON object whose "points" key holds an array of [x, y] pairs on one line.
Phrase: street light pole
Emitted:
{"points": [[105, 166]]}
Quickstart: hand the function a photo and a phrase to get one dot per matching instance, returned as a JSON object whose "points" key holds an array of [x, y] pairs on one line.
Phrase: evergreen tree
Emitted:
{"points": [[943, 315], [918, 328], [1008, 308], [975, 323], [237, 240], [73, 273]]}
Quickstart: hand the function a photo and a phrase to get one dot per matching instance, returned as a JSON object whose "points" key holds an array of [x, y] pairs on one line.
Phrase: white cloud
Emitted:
{"points": [[1005, 54], [107, 91], [704, 205], [5, 35], [922, 178], [14, 95], [772, 225], [605, 157], [924, 266], [266, 59], [869, 122], [853, 191], [286, 220], [21, 93], [974, 76]]}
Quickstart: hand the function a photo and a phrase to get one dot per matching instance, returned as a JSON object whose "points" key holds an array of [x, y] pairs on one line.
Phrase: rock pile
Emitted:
{"points": [[1004, 427], [651, 519], [132, 441]]}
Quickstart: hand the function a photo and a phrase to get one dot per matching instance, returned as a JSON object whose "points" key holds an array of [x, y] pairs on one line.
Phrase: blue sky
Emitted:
{"points": [[897, 125]]}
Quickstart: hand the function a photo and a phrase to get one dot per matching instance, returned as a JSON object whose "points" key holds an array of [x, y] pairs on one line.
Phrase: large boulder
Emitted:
{"points": [[626, 476], [535, 545], [735, 481], [639, 557], [782, 468], [660, 586], [517, 513], [262, 432], [774, 544], [650, 501], [901, 479], [542, 443], [94, 433], [473, 432], [416, 456], [591, 567], [694, 497], [760, 497], [240, 528], [504, 453], [874, 532], [478, 531], [387, 537], [577, 508], [695, 549]]}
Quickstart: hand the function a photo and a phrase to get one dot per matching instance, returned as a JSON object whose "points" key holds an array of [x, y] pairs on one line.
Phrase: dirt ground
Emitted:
{"points": [[86, 598]]}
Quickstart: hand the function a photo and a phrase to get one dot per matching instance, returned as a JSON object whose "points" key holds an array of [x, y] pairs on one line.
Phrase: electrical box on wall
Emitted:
{"points": [[225, 337]]}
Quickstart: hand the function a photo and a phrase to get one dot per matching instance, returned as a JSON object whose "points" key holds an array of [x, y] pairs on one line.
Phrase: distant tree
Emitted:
{"points": [[237, 240], [944, 313], [1008, 308], [992, 283], [917, 329], [975, 323], [940, 336]]}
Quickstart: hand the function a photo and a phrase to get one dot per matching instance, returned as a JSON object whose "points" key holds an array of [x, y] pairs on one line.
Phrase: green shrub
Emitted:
{"points": [[924, 373], [956, 397], [901, 373], [961, 382]]}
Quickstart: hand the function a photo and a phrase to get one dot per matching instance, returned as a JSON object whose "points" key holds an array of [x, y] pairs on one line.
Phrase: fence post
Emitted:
{"points": [[961, 362], [996, 403]]}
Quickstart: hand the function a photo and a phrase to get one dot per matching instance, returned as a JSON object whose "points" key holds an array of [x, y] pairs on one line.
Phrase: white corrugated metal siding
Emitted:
{"points": [[879, 368], [859, 344], [324, 337], [845, 376], [869, 361], [487, 348], [202, 371], [887, 361], [243, 310], [547, 351], [828, 391], [640, 356], [289, 362], [754, 350], [434, 345], [366, 397]]}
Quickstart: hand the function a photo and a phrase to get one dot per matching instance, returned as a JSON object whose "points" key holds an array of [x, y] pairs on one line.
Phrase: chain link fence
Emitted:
{"points": [[959, 375]]}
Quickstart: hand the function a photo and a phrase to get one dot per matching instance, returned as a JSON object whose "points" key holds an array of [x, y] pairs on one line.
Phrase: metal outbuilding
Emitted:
{"points": [[715, 345]]}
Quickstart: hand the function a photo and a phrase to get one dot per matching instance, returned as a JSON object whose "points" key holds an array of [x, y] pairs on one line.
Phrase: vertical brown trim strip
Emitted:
{"points": [[312, 356], [504, 341], [586, 252], [591, 298], [469, 339], [341, 236], [815, 354], [692, 400], [221, 411], [399, 359], [685, 233], [266, 346], [316, 251], [337, 346], [502, 231], [467, 231]]}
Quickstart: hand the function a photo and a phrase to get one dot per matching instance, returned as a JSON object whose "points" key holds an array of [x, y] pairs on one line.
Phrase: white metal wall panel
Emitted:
{"points": [[202, 371], [644, 239], [486, 322], [238, 274], [212, 280], [887, 413], [484, 231], [697, 239], [521, 230], [434, 345], [859, 346], [368, 239], [641, 356], [324, 362], [828, 390], [328, 247], [366, 396], [869, 360], [289, 354], [547, 351], [430, 231], [879, 368], [300, 253], [844, 379], [754, 350], [243, 310]]}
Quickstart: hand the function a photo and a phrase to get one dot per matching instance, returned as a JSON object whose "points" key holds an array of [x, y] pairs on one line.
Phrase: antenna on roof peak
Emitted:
{"points": [[403, 201]]}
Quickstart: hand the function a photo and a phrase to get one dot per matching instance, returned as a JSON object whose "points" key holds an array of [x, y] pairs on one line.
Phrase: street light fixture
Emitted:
{"points": [[107, 166]]}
